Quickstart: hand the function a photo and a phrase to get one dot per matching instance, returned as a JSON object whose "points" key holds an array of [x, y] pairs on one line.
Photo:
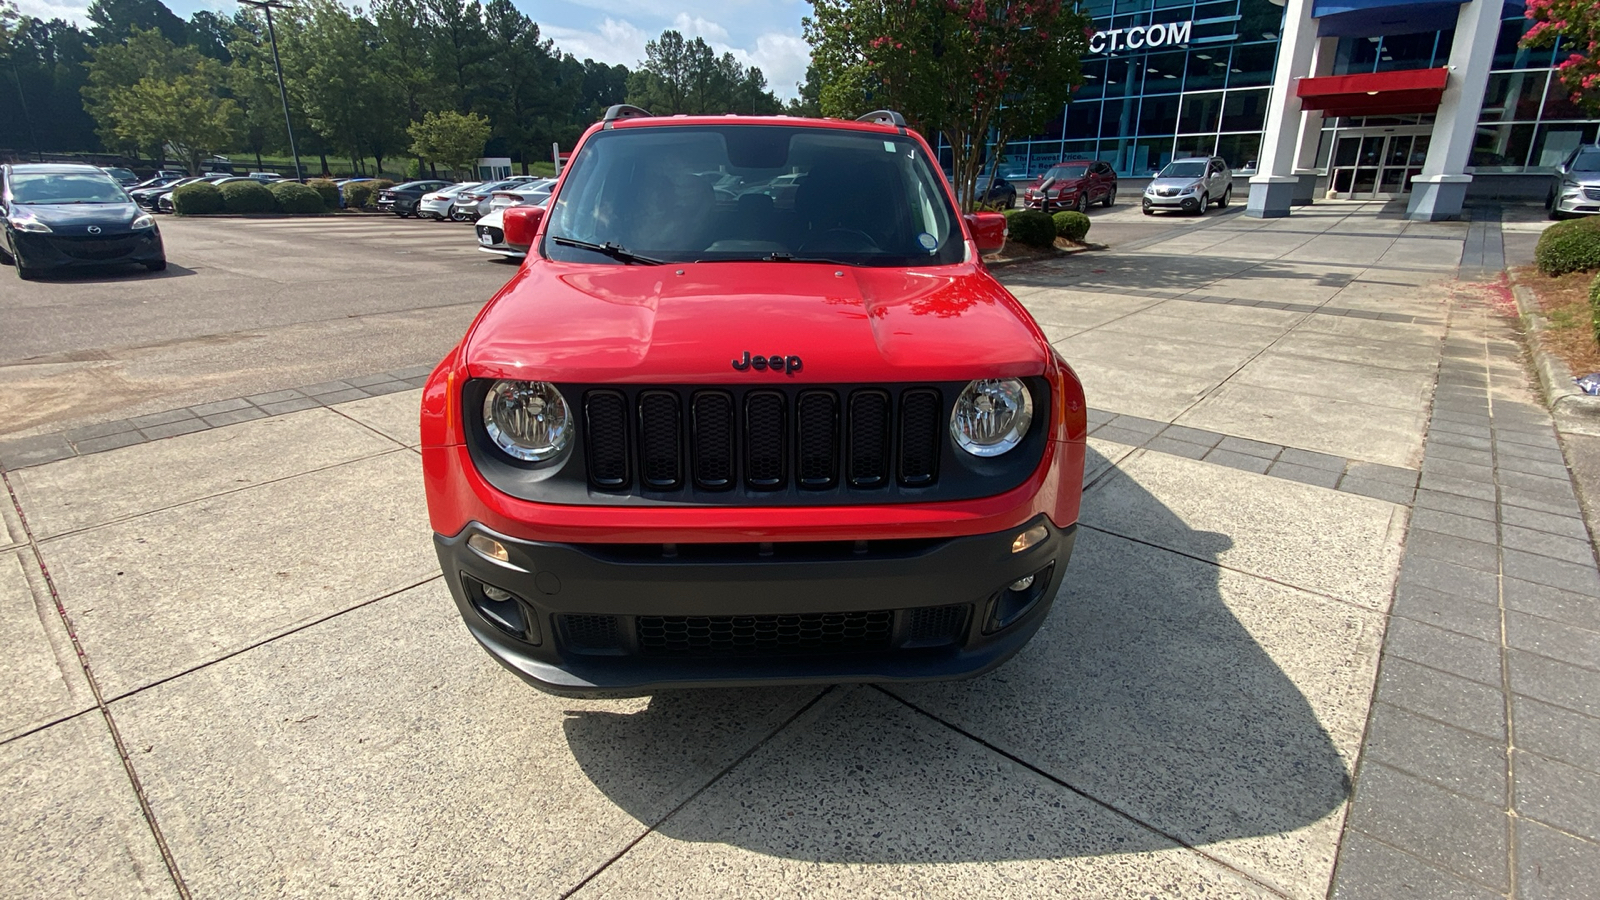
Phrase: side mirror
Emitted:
{"points": [[521, 223], [988, 230]]}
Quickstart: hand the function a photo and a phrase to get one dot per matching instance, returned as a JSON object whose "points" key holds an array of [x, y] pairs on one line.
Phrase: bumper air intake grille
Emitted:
{"points": [[591, 633], [740, 635], [935, 626]]}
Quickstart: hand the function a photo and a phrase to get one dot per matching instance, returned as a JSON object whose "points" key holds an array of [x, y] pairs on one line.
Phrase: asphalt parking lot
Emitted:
{"points": [[1328, 629]]}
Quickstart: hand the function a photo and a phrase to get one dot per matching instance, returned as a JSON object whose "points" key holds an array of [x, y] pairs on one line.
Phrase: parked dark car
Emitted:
{"points": [[1001, 193], [161, 179], [1073, 184], [125, 177], [69, 216], [402, 199]]}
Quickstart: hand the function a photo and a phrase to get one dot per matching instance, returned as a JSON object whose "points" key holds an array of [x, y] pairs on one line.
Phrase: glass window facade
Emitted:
{"points": [[1140, 108]]}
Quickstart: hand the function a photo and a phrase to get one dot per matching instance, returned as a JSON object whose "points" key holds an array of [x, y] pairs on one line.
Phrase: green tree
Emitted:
{"points": [[686, 76], [151, 94], [523, 95], [331, 50], [449, 138], [971, 70], [458, 49], [115, 20], [1576, 23]]}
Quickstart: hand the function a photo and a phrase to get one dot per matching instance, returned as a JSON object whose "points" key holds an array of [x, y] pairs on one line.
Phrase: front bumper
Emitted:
{"points": [[1585, 201], [46, 252], [621, 619], [1048, 204], [1186, 202]]}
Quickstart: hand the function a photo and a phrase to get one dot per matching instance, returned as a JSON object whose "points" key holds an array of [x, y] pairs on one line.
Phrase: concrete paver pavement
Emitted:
{"points": [[1331, 573]]}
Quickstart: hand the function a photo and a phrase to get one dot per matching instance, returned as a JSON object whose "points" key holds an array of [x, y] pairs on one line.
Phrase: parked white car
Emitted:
{"points": [[522, 195], [491, 230], [437, 204], [470, 206]]}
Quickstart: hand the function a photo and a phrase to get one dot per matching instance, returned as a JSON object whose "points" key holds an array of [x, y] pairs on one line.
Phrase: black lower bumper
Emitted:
{"points": [[627, 619], [50, 252]]}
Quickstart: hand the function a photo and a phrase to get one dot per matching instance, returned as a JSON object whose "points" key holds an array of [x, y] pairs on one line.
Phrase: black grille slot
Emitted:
{"points": [[748, 635], [591, 633], [935, 626], [817, 425], [765, 437], [919, 437], [606, 438], [869, 439], [713, 440], [660, 462]]}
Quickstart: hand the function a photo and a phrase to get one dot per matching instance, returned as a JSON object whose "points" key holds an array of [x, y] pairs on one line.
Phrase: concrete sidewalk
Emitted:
{"points": [[1317, 472]]}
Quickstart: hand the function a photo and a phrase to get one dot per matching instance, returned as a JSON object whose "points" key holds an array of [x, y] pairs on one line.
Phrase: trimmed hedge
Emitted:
{"points": [[1072, 225], [358, 194], [296, 198], [327, 190], [247, 197], [1033, 228], [197, 199], [1594, 307], [380, 184], [1572, 246]]}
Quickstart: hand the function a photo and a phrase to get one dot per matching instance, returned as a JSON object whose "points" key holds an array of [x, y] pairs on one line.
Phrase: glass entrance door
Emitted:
{"points": [[1375, 166]]}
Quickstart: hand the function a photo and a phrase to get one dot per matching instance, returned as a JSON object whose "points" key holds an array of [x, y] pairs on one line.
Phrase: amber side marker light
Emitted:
{"points": [[1028, 538], [491, 548]]}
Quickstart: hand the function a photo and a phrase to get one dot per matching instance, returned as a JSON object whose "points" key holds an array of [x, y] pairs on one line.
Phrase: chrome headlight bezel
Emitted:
{"points": [[984, 428], [528, 421], [142, 221]]}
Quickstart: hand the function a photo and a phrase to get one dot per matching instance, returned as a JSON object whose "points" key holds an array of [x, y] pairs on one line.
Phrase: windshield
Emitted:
{"points": [[1184, 170], [1067, 173], [1586, 162], [60, 187], [801, 193]]}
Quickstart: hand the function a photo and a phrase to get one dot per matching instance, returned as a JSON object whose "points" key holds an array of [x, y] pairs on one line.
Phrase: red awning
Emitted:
{"points": [[1374, 93]]}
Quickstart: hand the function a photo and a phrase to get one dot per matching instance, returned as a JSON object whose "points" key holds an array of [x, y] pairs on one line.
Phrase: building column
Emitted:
{"points": [[1272, 188], [1438, 193], [1305, 155]]}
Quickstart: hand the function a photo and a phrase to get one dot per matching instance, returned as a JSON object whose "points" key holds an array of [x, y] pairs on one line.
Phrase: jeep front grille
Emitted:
{"points": [[765, 440]]}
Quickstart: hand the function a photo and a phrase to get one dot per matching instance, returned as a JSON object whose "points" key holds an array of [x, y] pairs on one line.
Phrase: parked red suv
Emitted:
{"points": [[767, 437], [1073, 184]]}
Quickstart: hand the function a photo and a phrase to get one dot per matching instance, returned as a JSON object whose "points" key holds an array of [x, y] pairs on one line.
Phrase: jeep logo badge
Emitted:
{"points": [[776, 363]]}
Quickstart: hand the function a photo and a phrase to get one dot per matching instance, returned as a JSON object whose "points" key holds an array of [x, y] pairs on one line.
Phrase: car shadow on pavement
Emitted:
{"points": [[111, 275], [1143, 693]]}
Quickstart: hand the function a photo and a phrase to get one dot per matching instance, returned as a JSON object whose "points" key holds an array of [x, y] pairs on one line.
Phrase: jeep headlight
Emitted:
{"points": [[529, 420], [992, 415]]}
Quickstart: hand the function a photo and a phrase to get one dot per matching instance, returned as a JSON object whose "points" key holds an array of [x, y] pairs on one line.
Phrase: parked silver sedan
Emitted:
{"points": [[1193, 185], [470, 206], [1576, 190], [437, 205]]}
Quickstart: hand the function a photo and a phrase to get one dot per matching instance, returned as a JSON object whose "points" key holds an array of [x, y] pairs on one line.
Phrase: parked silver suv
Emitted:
{"points": [[1576, 190], [1193, 185]]}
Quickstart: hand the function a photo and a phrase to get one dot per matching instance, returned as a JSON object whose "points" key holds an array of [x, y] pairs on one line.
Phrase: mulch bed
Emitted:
{"points": [[1014, 252], [1564, 300]]}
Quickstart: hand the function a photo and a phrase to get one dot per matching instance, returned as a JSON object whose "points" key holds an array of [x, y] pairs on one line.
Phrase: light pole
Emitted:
{"points": [[268, 6]]}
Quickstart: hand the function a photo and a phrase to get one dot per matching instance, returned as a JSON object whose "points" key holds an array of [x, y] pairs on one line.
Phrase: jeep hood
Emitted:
{"points": [[687, 322]]}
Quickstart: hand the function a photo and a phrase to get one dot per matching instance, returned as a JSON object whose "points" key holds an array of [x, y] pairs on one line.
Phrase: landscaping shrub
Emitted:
{"points": [[1033, 228], [1594, 307], [327, 190], [196, 199], [294, 197], [1572, 246], [376, 186], [1072, 225], [358, 194], [247, 197]]}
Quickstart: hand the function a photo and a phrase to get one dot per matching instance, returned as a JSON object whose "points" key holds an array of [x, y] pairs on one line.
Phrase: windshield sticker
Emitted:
{"points": [[928, 242], [889, 146]]}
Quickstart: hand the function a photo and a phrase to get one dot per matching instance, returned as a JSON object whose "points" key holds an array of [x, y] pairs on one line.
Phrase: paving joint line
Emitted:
{"points": [[651, 829], [1103, 804], [146, 810]]}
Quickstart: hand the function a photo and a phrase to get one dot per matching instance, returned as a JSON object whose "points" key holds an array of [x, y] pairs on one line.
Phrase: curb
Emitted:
{"points": [[1556, 382]]}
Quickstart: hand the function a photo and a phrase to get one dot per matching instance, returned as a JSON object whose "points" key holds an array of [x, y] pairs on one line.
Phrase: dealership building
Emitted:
{"points": [[1340, 99]]}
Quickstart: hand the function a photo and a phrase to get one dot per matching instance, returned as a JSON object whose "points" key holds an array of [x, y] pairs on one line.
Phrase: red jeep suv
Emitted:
{"points": [[752, 411]]}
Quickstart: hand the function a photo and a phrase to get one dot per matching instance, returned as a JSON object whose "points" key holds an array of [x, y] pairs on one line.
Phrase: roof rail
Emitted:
{"points": [[624, 111], [885, 117]]}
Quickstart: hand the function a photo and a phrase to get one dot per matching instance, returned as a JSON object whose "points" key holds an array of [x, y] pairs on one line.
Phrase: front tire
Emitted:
{"points": [[1111, 199], [159, 265], [1227, 197], [1205, 204], [1083, 203]]}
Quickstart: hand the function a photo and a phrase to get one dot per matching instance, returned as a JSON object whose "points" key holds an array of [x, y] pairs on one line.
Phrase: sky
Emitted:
{"points": [[764, 33]]}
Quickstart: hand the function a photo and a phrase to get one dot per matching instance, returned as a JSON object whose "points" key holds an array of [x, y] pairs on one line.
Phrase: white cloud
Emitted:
{"points": [[783, 59], [699, 27], [70, 10], [611, 42]]}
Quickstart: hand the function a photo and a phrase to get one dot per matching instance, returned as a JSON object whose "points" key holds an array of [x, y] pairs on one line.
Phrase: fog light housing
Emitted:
{"points": [[1012, 603], [502, 609]]}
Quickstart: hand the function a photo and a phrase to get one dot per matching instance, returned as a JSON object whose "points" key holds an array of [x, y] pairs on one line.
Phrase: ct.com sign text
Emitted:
{"points": [[1140, 36]]}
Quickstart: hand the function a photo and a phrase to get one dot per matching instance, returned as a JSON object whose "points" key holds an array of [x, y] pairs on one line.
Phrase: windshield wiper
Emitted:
{"points": [[790, 257], [615, 251]]}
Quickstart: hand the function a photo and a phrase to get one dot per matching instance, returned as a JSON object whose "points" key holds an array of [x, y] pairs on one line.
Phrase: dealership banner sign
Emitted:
{"points": [[1141, 36]]}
